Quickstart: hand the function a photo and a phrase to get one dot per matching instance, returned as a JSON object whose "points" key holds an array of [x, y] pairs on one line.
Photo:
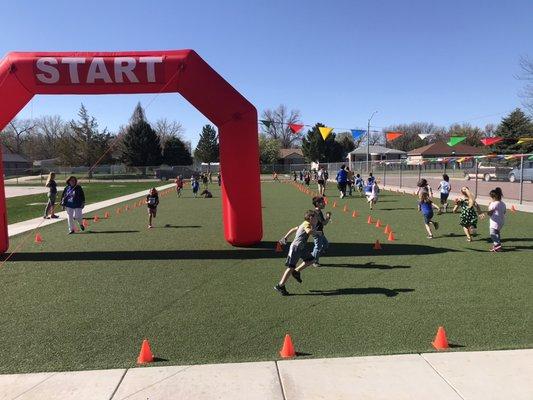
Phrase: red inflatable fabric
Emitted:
{"points": [[23, 75]]}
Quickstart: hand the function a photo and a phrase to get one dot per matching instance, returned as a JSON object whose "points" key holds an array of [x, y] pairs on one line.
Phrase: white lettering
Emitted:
{"points": [[51, 74], [73, 67], [150, 66], [97, 70], [125, 66]]}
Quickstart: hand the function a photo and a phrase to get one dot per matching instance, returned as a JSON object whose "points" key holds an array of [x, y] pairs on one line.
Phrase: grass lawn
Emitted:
{"points": [[86, 301], [22, 208]]}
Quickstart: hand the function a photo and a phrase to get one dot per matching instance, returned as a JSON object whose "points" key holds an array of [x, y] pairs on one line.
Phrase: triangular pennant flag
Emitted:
{"points": [[423, 135], [295, 128], [490, 141], [524, 140], [357, 133], [266, 123], [393, 136], [530, 158], [325, 131], [455, 139]]}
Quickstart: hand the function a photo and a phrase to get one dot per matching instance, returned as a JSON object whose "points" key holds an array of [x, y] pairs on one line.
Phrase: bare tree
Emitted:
{"points": [[527, 75], [16, 133], [166, 129], [277, 126], [42, 144]]}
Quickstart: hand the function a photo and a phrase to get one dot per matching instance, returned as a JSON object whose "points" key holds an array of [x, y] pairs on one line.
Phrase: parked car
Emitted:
{"points": [[514, 175], [488, 172]]}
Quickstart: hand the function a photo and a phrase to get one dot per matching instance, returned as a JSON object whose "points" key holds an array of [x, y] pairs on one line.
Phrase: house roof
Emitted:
{"points": [[9, 156], [376, 150], [284, 153], [442, 149]]}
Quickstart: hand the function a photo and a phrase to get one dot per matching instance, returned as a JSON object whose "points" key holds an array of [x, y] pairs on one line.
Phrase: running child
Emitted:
{"points": [[321, 181], [152, 201], [195, 186], [445, 189], [423, 187], [275, 176], [298, 250], [371, 192], [319, 240], [469, 212], [359, 184], [426, 207], [179, 185], [496, 212]]}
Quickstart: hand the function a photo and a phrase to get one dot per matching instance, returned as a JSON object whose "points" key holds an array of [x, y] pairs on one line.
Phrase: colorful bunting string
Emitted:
{"points": [[357, 133], [423, 135], [455, 140], [266, 123], [524, 140], [295, 128], [491, 141], [325, 131], [393, 136]]}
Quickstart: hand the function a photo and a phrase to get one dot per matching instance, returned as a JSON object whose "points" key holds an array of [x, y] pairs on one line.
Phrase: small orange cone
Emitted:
{"points": [[38, 238], [354, 214], [279, 248], [106, 215], [334, 204], [287, 351], [96, 219], [118, 210], [378, 224], [391, 237], [440, 342], [345, 209], [369, 220], [387, 229], [85, 223], [145, 356], [377, 245], [513, 208]]}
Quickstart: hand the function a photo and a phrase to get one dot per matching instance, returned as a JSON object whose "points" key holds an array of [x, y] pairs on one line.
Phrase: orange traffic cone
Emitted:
{"points": [[440, 342], [377, 245], [287, 351], [38, 238], [106, 215], [345, 209], [391, 237], [378, 224], [369, 220], [334, 204], [279, 248], [513, 208], [85, 223], [354, 214], [145, 356], [118, 210], [387, 229], [96, 219]]}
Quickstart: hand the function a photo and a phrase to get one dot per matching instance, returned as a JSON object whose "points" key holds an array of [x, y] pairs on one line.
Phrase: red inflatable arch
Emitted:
{"points": [[23, 75]]}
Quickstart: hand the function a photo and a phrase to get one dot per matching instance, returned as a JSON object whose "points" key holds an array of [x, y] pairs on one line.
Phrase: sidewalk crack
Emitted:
{"points": [[441, 376], [119, 383], [280, 382]]}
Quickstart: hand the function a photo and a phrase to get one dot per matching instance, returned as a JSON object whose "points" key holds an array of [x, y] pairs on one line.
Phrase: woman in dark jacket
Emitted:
{"points": [[73, 200]]}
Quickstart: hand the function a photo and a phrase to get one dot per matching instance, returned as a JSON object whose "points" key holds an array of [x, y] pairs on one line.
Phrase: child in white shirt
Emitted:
{"points": [[496, 212]]}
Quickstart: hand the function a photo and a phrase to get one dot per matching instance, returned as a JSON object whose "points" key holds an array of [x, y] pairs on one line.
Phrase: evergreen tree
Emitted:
{"points": [[316, 149], [140, 145], [345, 139], [176, 152], [516, 125], [207, 148], [268, 150], [82, 143]]}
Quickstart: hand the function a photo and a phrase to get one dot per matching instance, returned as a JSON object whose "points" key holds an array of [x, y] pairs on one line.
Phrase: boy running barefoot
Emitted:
{"points": [[298, 250]]}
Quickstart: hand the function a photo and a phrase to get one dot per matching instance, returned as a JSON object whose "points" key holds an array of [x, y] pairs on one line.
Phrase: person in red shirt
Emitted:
{"points": [[179, 185]]}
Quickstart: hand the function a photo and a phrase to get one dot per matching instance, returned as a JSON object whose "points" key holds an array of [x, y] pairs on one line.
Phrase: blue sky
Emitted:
{"points": [[335, 61]]}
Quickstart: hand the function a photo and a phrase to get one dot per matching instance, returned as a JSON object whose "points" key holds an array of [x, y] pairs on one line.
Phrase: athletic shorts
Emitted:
{"points": [[320, 181], [444, 197], [152, 210], [428, 218], [295, 254], [341, 186]]}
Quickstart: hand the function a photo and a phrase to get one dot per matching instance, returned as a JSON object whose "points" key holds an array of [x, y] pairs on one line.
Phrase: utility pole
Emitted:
{"points": [[368, 143]]}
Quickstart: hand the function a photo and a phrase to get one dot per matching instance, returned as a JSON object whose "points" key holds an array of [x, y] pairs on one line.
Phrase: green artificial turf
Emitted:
{"points": [[22, 208], [86, 301]]}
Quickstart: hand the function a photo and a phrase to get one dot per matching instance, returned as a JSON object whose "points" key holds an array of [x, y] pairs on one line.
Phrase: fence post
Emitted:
{"points": [[477, 170], [419, 172], [521, 178], [401, 168], [384, 174]]}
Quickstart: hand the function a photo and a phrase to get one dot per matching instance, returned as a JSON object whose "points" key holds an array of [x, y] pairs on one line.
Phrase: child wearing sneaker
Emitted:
{"points": [[496, 212], [298, 250], [445, 188], [152, 201], [426, 207], [320, 241]]}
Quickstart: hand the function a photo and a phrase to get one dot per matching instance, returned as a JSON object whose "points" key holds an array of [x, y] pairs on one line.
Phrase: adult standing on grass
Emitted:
{"points": [[321, 181], [52, 194], [73, 201]]}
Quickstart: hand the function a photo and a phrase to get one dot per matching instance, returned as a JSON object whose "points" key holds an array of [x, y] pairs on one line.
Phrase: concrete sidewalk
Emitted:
{"points": [[31, 224], [504, 375]]}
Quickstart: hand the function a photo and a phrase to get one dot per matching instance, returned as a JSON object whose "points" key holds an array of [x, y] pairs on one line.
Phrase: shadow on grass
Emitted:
{"points": [[395, 209], [263, 250], [368, 265], [179, 226], [97, 232], [348, 291]]}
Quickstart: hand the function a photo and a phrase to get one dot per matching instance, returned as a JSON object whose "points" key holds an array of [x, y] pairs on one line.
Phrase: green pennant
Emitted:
{"points": [[455, 139], [530, 158], [266, 123]]}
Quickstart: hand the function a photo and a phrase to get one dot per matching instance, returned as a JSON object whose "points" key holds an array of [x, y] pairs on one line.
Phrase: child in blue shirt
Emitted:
{"points": [[195, 186], [426, 207]]}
